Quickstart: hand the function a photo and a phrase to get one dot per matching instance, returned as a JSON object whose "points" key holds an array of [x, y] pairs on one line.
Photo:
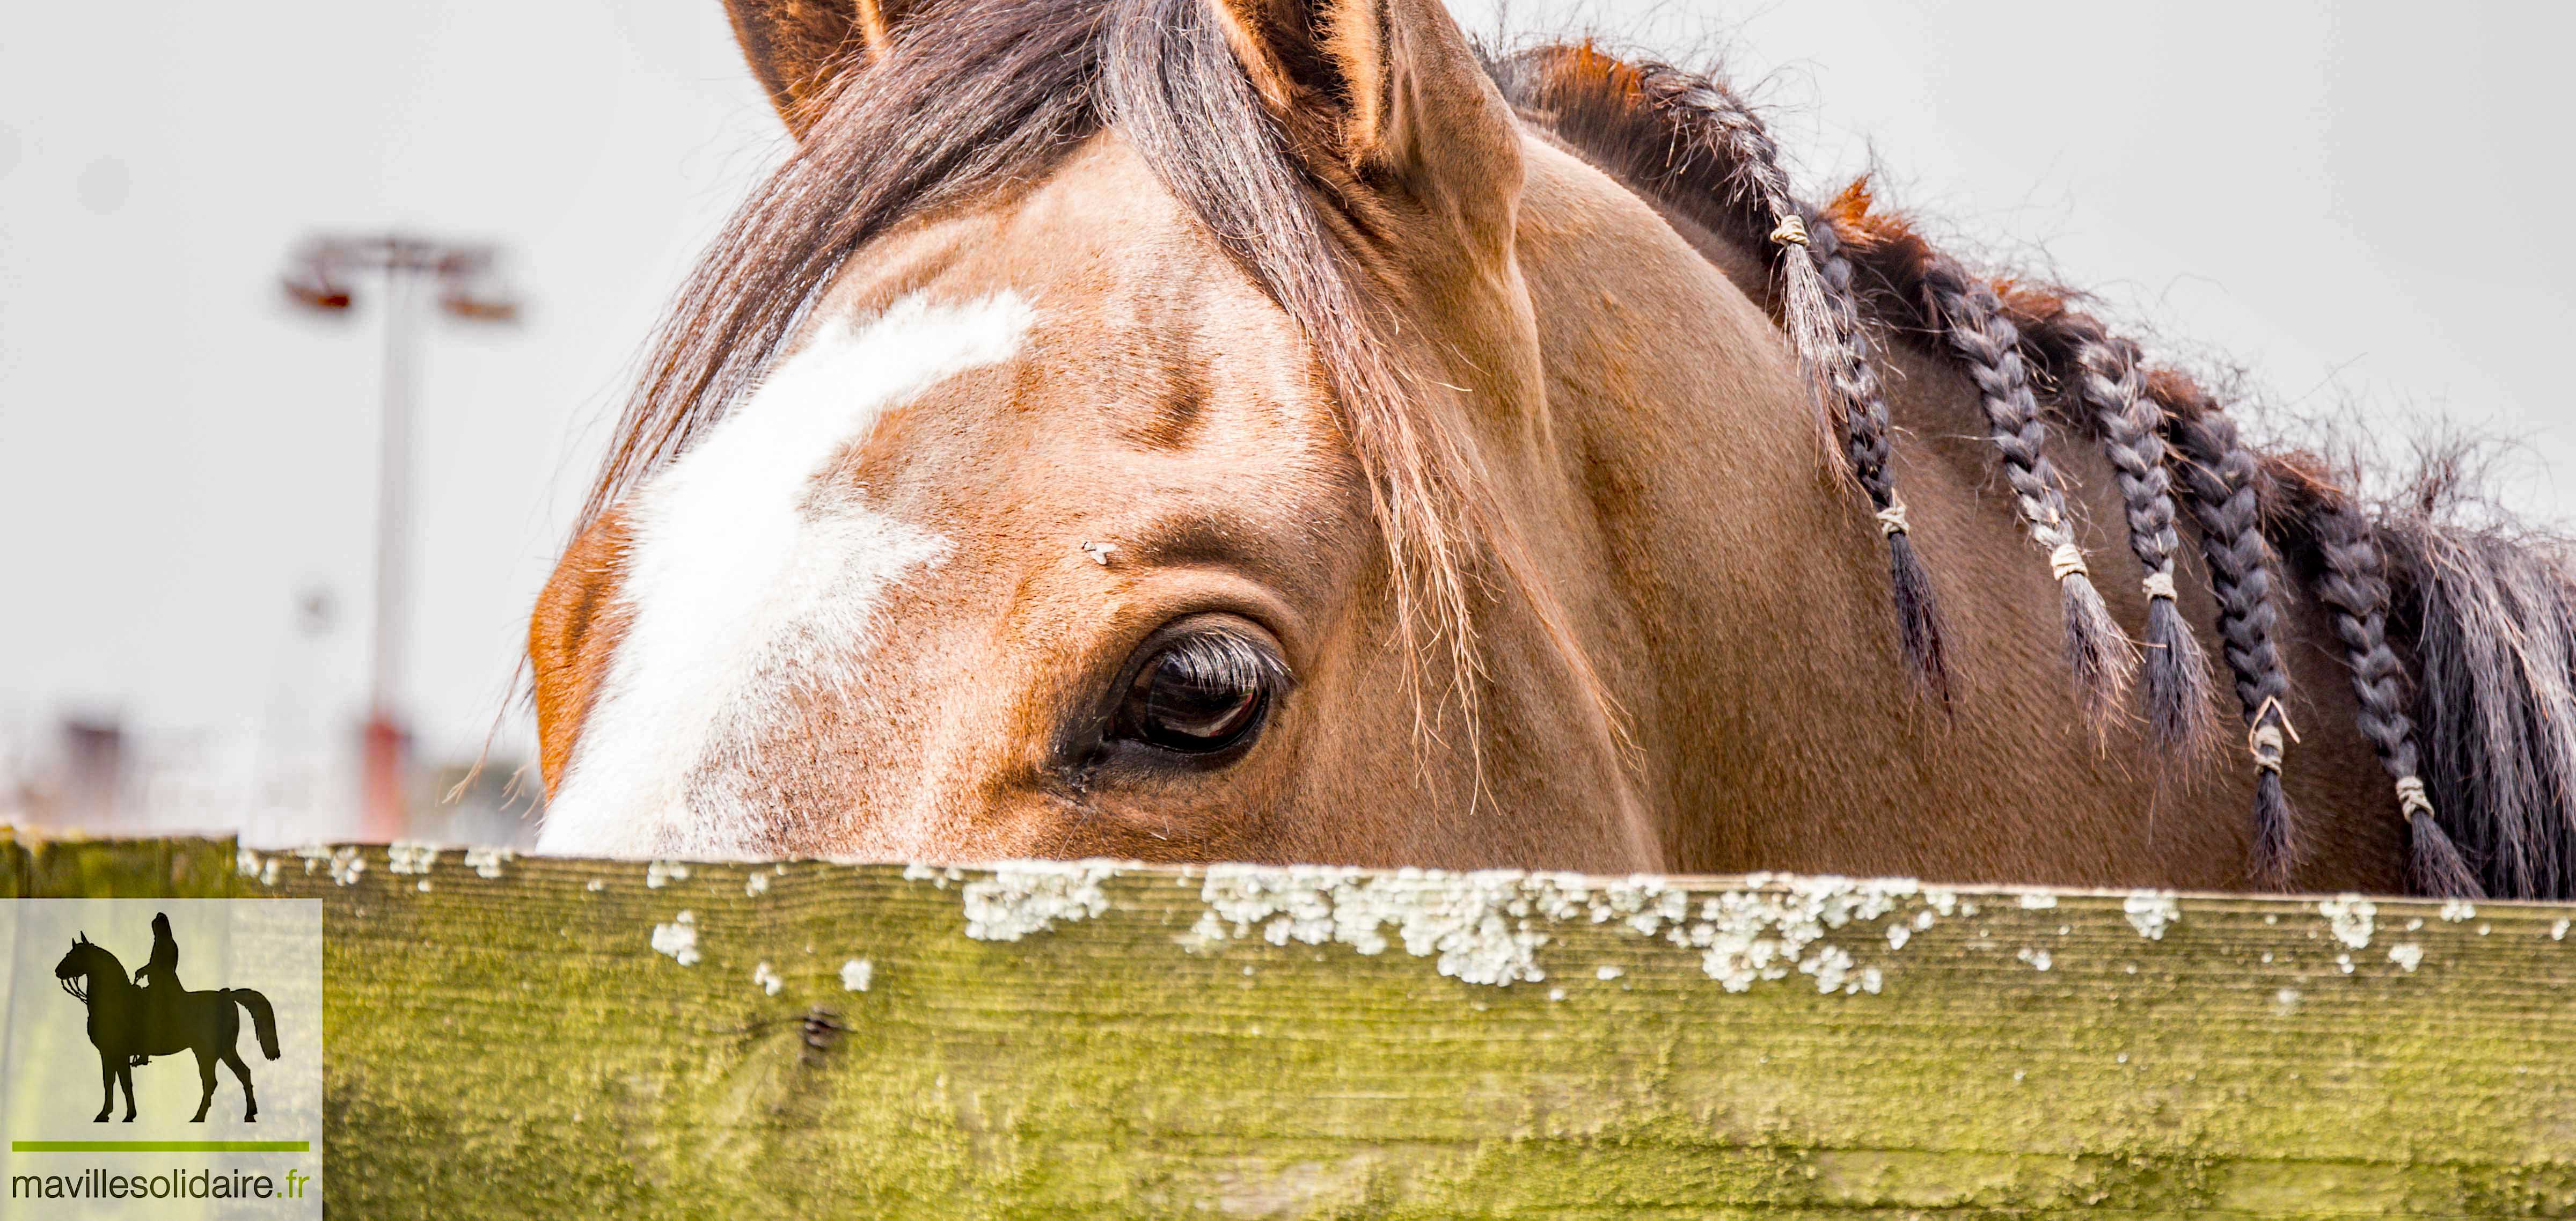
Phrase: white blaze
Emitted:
{"points": [[747, 579]]}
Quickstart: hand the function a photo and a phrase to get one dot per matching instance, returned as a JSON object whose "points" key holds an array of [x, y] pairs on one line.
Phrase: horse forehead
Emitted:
{"points": [[752, 580]]}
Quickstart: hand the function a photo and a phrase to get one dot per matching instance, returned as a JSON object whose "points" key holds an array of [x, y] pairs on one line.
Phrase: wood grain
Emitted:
{"points": [[505, 1040]]}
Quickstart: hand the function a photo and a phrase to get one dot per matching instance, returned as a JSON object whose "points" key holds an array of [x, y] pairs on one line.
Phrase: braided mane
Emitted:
{"points": [[2486, 623], [2461, 643]]}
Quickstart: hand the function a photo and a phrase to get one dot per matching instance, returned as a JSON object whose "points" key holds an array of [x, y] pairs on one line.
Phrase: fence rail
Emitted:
{"points": [[550, 1037]]}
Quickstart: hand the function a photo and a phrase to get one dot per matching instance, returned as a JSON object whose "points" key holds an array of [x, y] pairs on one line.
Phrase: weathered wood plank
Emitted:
{"points": [[506, 1040], [32, 864]]}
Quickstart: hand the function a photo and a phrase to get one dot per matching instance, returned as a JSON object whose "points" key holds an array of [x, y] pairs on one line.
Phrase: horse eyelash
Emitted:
{"points": [[1223, 658], [1704, 143]]}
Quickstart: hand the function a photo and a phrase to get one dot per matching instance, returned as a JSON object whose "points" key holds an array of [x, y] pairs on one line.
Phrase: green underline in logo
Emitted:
{"points": [[160, 1146]]}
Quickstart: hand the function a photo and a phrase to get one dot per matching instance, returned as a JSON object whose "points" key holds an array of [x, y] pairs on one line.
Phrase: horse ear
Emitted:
{"points": [[1388, 88], [798, 48]]}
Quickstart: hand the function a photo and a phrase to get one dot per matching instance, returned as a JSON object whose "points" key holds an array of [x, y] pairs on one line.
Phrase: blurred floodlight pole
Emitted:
{"points": [[322, 274]]}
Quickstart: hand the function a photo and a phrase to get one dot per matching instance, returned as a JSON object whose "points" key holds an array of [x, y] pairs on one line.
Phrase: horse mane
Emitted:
{"points": [[2469, 635], [2461, 638], [2484, 615], [986, 100]]}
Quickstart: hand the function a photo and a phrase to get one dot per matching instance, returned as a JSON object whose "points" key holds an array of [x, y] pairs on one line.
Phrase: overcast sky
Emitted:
{"points": [[2358, 202]]}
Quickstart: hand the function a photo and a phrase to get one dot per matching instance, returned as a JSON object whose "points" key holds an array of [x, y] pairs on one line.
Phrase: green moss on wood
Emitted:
{"points": [[514, 1046]]}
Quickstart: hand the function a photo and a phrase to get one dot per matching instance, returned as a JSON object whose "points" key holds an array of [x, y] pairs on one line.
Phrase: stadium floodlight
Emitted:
{"points": [[323, 274]]}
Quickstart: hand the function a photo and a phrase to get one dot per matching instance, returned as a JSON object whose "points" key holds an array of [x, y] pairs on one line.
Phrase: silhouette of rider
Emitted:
{"points": [[161, 974]]}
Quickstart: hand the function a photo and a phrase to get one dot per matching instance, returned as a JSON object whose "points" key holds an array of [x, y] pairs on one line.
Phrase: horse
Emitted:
{"points": [[1285, 430], [126, 1021]]}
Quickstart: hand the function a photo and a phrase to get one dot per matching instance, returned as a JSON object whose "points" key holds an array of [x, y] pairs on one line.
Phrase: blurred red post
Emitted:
{"points": [[388, 779], [319, 278]]}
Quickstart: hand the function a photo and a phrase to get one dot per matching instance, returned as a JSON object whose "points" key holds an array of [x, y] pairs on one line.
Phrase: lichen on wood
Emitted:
{"points": [[1111, 1040]]}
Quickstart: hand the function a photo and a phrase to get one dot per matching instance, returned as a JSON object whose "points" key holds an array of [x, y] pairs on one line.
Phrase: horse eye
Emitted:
{"points": [[1199, 693]]}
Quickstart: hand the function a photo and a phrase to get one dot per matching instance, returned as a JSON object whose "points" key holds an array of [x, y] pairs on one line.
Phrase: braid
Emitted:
{"points": [[1823, 321], [2221, 476], [1696, 145], [1971, 319], [1866, 445], [2113, 390], [2218, 474], [2355, 589]]}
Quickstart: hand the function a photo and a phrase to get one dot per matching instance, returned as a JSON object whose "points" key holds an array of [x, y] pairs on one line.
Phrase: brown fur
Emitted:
{"points": [[571, 637], [1522, 411]]}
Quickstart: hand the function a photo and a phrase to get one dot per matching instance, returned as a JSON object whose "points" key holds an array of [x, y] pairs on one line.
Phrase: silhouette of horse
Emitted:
{"points": [[126, 1021]]}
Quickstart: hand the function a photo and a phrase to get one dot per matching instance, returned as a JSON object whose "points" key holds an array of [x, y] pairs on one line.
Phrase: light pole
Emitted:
{"points": [[321, 275]]}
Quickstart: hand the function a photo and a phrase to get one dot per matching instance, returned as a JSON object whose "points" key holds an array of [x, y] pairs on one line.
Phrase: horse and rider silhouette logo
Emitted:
{"points": [[132, 1019]]}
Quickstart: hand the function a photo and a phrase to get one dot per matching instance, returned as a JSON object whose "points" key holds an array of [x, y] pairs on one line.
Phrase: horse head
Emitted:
{"points": [[81, 963], [1109, 434]]}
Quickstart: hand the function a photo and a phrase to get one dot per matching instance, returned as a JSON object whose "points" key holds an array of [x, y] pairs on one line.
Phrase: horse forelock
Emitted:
{"points": [[985, 101], [745, 587]]}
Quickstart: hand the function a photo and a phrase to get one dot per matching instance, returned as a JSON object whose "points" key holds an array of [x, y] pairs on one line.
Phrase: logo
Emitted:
{"points": [[132, 1021], [161, 1058]]}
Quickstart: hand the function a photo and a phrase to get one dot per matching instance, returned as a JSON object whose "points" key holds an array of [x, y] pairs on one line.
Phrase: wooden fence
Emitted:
{"points": [[548, 1037]]}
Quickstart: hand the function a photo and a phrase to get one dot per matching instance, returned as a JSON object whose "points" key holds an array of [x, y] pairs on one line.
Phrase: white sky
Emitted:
{"points": [[2357, 201]]}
